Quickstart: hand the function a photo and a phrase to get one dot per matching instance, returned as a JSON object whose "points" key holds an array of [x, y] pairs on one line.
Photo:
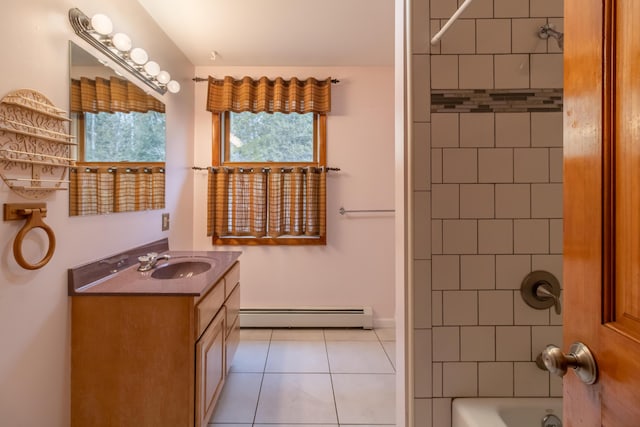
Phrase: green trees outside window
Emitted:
{"points": [[124, 137], [277, 137]]}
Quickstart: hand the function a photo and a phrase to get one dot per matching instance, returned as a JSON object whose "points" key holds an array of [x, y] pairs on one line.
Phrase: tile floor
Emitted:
{"points": [[319, 377]]}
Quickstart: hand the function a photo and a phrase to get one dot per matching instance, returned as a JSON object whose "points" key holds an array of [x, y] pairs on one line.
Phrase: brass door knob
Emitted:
{"points": [[579, 359]]}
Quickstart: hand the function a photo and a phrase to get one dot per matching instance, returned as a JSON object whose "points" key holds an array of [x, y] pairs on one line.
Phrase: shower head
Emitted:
{"points": [[547, 31]]}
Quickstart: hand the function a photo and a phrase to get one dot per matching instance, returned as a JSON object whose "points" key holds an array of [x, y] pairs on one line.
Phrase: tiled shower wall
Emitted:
{"points": [[487, 193]]}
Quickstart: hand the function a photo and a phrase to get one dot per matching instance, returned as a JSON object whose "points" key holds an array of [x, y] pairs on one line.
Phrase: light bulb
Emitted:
{"points": [[102, 24], [163, 77], [173, 86], [152, 68], [121, 41], [139, 55]]}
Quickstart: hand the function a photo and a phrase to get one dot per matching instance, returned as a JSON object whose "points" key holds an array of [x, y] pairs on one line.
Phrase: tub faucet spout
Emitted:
{"points": [[551, 421]]}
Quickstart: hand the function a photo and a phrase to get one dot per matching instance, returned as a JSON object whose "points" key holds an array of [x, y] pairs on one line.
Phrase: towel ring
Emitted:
{"points": [[34, 220]]}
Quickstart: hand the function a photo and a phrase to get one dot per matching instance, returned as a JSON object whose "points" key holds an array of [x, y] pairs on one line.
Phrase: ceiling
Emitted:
{"points": [[279, 32]]}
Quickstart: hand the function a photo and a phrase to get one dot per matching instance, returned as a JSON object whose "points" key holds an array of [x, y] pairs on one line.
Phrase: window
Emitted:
{"points": [[264, 137], [268, 184]]}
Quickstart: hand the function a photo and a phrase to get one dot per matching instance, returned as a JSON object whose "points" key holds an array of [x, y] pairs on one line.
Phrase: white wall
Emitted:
{"points": [[34, 307], [357, 265]]}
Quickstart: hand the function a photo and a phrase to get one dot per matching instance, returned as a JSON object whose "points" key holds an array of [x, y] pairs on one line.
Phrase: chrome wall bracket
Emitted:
{"points": [[81, 24]]}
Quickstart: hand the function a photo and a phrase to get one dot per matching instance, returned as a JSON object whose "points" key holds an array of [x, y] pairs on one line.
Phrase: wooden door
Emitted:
{"points": [[602, 208]]}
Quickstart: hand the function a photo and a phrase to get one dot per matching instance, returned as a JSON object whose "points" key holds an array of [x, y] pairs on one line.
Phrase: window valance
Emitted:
{"points": [[110, 96], [271, 96]]}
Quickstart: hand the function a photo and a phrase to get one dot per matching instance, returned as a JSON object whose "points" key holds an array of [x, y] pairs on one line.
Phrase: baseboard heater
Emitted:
{"points": [[348, 317]]}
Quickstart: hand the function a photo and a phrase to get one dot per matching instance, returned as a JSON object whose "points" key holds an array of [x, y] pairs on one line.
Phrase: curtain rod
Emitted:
{"points": [[202, 79], [201, 168], [450, 22]]}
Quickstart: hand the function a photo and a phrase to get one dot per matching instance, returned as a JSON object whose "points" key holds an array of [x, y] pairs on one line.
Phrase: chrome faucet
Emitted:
{"points": [[149, 261]]}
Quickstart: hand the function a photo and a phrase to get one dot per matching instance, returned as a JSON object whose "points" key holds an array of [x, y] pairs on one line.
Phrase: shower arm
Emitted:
{"points": [[551, 32], [546, 31]]}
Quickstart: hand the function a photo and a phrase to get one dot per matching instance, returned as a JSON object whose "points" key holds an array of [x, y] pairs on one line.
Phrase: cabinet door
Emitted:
{"points": [[210, 368]]}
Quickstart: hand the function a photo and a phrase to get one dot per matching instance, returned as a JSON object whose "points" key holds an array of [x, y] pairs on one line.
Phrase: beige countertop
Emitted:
{"points": [[130, 281]]}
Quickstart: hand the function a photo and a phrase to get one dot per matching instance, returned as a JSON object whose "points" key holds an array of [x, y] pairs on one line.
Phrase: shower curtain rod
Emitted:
{"points": [[450, 22]]}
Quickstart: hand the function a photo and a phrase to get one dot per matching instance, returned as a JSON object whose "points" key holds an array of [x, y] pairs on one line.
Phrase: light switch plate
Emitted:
{"points": [[165, 221]]}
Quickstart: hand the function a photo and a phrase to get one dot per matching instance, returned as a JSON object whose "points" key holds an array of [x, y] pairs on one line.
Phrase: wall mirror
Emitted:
{"points": [[120, 131]]}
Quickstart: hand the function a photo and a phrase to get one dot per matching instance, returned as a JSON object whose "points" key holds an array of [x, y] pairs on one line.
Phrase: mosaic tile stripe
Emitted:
{"points": [[495, 100]]}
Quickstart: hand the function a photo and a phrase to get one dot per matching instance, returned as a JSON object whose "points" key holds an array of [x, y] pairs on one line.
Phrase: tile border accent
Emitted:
{"points": [[496, 100]]}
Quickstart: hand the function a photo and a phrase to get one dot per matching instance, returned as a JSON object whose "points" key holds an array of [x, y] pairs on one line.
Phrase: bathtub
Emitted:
{"points": [[505, 412]]}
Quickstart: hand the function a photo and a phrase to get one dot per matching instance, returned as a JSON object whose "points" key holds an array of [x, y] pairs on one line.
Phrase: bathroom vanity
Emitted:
{"points": [[151, 351]]}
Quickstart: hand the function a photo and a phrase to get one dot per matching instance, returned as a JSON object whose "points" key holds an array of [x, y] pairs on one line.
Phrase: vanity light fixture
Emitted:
{"points": [[97, 31]]}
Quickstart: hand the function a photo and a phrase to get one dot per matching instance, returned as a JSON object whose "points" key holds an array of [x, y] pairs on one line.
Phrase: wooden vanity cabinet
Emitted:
{"points": [[232, 304], [217, 345], [152, 360], [210, 367]]}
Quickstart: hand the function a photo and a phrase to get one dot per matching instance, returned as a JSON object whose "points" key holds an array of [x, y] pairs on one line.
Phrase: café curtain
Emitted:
{"points": [[101, 190], [296, 201], [266, 202], [237, 202]]}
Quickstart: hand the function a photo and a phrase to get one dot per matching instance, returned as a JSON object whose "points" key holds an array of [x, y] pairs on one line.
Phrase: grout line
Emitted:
{"points": [[333, 390], [530, 201], [513, 306], [387, 354], [264, 368]]}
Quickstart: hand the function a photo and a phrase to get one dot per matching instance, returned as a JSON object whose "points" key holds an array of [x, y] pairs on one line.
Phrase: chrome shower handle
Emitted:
{"points": [[541, 290]]}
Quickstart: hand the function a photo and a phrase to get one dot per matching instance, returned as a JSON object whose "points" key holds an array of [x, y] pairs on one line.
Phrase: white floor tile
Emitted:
{"points": [[255, 334], [296, 388], [358, 357], [295, 425], [390, 349], [296, 399], [297, 356], [298, 334], [361, 425], [350, 335], [365, 398], [386, 334], [239, 399], [251, 356]]}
